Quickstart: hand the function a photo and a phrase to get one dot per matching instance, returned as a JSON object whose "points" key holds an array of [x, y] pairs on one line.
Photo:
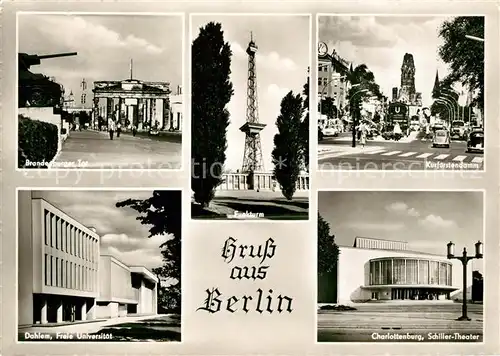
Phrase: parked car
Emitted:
{"points": [[475, 141], [441, 139], [330, 131]]}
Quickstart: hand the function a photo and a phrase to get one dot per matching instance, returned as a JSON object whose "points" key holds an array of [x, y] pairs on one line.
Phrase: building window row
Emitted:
{"points": [[67, 274], [410, 271], [379, 244], [63, 236]]}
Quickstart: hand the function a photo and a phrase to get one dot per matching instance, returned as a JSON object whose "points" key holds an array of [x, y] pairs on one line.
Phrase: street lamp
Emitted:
{"points": [[464, 259], [353, 114], [449, 106], [448, 93]]}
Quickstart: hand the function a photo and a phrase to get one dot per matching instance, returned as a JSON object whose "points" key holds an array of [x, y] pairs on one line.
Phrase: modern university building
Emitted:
{"points": [[383, 270], [62, 277]]}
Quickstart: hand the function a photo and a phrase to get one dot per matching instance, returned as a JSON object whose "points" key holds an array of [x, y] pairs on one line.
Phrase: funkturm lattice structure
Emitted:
{"points": [[252, 156]]}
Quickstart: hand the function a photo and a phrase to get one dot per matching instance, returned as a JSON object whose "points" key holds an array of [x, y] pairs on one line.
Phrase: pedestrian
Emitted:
{"points": [[134, 130], [111, 128], [118, 129]]}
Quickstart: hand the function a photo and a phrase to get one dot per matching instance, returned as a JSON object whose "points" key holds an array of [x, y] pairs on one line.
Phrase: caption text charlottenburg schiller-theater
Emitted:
{"points": [[62, 277]]}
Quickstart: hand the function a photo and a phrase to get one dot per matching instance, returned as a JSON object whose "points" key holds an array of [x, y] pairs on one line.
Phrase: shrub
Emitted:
{"points": [[38, 142]]}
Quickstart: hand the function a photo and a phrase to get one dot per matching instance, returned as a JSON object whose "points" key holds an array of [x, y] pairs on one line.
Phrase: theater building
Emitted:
{"points": [[383, 270], [61, 270]]}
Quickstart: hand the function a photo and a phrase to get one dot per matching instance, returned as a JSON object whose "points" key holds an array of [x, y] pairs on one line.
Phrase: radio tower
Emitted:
{"points": [[252, 157]]}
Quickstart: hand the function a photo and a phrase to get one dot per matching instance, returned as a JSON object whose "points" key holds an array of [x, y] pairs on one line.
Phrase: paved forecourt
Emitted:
{"points": [[94, 150], [412, 323]]}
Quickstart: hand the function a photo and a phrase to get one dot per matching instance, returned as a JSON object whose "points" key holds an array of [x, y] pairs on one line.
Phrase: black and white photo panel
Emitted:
{"points": [[401, 93], [400, 266], [250, 116], [103, 91]]}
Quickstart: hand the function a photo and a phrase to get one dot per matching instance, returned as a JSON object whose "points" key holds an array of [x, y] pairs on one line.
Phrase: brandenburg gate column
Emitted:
{"points": [[140, 114], [160, 110], [153, 112]]}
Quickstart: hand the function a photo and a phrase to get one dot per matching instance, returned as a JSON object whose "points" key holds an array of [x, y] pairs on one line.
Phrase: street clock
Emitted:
{"points": [[322, 49]]}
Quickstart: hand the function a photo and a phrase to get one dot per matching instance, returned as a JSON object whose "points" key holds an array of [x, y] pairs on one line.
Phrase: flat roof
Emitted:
{"points": [[89, 228], [145, 272], [392, 250]]}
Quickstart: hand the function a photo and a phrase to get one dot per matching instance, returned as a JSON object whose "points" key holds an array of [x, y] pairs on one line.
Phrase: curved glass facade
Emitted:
{"points": [[409, 271]]}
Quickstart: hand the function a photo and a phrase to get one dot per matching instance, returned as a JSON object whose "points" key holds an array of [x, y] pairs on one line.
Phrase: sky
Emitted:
{"points": [[381, 43], [281, 64], [426, 220], [122, 235], [105, 46]]}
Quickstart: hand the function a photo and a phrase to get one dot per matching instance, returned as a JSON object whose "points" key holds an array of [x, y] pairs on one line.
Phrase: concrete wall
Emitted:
{"points": [[114, 280], [25, 260], [121, 284], [105, 277], [107, 310], [353, 272]]}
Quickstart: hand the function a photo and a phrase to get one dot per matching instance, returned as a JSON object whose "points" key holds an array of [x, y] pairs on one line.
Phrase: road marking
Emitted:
{"points": [[374, 152], [407, 154], [441, 156], [477, 160], [425, 155], [391, 153], [459, 158]]}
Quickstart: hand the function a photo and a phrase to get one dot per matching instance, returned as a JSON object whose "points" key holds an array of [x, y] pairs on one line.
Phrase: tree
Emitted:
{"points": [[304, 126], [363, 78], [364, 86], [287, 152], [328, 251], [211, 91], [464, 56], [163, 211]]}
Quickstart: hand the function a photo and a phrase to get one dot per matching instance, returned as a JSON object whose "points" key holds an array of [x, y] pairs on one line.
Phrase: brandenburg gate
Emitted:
{"points": [[143, 104]]}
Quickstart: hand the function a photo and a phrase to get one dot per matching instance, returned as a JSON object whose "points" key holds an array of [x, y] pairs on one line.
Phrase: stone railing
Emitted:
{"points": [[261, 181]]}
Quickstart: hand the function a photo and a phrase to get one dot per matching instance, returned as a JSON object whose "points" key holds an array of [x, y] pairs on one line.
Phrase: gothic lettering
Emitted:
{"points": [[249, 272], [264, 303], [230, 250]]}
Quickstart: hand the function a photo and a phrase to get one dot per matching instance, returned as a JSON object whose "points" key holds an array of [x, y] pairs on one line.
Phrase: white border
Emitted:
{"points": [[397, 171], [104, 189], [485, 254], [310, 173], [86, 13]]}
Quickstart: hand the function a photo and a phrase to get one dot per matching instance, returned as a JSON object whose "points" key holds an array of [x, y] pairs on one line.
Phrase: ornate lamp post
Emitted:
{"points": [[464, 259]]}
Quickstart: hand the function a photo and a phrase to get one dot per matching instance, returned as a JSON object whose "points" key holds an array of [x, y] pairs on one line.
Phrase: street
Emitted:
{"points": [[337, 153], [394, 322], [94, 150]]}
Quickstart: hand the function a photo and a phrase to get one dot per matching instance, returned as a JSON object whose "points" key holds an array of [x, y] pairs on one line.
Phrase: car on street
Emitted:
{"points": [[458, 130], [475, 141], [330, 131], [441, 139]]}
